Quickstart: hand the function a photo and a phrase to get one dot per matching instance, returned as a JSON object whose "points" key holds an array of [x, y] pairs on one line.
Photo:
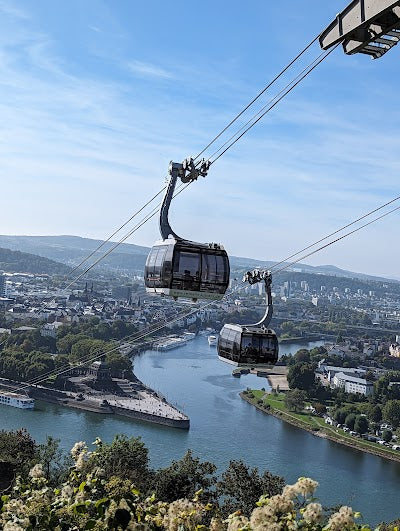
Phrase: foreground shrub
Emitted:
{"points": [[87, 500]]}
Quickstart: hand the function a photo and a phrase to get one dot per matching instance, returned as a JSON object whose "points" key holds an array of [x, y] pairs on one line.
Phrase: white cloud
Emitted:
{"points": [[79, 154], [148, 70], [10, 9]]}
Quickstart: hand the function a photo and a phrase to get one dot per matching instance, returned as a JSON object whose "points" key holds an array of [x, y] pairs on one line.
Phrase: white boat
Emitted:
{"points": [[212, 340], [16, 400]]}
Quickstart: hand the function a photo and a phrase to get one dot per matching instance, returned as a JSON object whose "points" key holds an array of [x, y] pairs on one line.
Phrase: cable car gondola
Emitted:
{"points": [[255, 344], [176, 267]]}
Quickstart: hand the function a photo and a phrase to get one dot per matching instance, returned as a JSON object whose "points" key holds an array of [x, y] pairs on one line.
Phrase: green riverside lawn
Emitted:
{"points": [[273, 404]]}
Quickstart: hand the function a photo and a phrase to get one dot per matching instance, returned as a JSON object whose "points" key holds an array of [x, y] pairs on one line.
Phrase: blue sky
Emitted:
{"points": [[97, 97]]}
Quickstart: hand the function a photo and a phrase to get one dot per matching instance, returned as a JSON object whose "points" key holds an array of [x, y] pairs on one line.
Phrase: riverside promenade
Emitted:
{"points": [[134, 400]]}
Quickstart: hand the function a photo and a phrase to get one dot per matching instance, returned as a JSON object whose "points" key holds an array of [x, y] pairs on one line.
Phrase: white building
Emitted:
{"points": [[394, 350], [331, 370], [50, 329], [352, 384]]}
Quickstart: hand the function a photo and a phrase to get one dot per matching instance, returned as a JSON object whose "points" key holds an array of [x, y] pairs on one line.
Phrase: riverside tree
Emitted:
{"points": [[294, 400], [301, 376], [126, 458], [240, 487], [350, 421], [183, 478], [391, 412], [361, 424]]}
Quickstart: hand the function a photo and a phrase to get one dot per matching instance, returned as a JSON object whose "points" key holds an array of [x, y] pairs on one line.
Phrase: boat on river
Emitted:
{"points": [[212, 340], [8, 398]]}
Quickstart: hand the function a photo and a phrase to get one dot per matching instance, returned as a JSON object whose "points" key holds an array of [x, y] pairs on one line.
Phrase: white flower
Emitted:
{"points": [[236, 522], [67, 492], [36, 472], [181, 513], [263, 518], [216, 525], [78, 448], [306, 486], [290, 491], [12, 526], [15, 507], [341, 520], [313, 513], [80, 461]]}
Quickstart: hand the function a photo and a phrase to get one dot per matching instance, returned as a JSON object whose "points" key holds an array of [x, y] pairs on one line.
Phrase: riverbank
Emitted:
{"points": [[273, 405], [141, 403]]}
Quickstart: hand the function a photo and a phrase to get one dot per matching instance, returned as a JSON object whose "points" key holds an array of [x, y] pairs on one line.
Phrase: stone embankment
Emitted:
{"points": [[146, 405]]}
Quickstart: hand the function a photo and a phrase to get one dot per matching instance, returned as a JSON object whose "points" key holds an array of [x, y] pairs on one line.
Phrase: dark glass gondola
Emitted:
{"points": [[255, 344], [180, 268]]}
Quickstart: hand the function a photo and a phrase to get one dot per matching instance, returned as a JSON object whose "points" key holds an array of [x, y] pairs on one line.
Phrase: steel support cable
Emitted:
{"points": [[264, 107], [196, 310], [307, 70], [210, 143], [147, 217], [128, 339], [324, 56], [336, 240], [336, 231], [256, 97], [57, 372], [286, 266], [115, 232]]}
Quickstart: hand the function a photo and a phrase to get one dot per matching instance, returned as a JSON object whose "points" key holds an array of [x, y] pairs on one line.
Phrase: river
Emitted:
{"points": [[224, 427]]}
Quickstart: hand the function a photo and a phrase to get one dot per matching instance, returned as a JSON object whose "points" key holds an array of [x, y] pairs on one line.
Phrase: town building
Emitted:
{"points": [[352, 384], [2, 285], [394, 350]]}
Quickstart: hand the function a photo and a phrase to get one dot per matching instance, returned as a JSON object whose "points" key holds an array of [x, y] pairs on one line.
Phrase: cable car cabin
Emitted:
{"points": [[247, 345], [179, 268]]}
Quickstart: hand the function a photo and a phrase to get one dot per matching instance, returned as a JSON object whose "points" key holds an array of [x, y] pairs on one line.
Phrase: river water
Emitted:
{"points": [[224, 427]]}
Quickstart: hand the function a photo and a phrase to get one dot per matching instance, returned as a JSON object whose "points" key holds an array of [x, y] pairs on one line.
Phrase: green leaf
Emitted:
{"points": [[80, 508], [90, 524]]}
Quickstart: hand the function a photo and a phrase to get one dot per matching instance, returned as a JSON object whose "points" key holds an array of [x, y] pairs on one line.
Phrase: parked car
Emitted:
{"points": [[381, 441], [354, 433], [396, 447], [346, 428]]}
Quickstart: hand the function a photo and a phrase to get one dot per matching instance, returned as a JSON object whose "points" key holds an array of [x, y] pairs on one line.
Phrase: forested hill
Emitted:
{"points": [[127, 257], [18, 262]]}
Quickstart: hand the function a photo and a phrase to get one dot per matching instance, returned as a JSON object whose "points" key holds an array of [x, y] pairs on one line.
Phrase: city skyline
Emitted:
{"points": [[96, 100]]}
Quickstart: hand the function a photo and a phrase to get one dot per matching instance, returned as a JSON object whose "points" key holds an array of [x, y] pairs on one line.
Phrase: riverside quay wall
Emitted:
{"points": [[182, 423], [146, 407]]}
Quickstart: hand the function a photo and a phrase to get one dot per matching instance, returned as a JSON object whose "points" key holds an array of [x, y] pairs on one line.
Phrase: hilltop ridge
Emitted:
{"points": [[70, 250]]}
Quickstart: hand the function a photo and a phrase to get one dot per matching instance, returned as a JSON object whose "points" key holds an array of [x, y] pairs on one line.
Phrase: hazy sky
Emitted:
{"points": [[97, 97]]}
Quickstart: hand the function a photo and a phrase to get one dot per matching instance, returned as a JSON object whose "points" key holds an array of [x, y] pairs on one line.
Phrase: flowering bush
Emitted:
{"points": [[87, 500]]}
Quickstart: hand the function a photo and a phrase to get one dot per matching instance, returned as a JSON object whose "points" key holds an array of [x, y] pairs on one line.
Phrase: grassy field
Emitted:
{"points": [[274, 404]]}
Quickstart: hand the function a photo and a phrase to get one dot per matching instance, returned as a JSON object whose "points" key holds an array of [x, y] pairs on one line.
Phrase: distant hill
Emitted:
{"points": [[128, 257], [71, 250], [19, 262]]}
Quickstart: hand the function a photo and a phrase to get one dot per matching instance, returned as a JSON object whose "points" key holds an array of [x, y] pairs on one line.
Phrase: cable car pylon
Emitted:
{"points": [[253, 344]]}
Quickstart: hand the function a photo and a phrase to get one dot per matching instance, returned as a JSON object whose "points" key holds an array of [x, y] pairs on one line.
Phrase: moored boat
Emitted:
{"points": [[16, 400], [212, 340]]}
